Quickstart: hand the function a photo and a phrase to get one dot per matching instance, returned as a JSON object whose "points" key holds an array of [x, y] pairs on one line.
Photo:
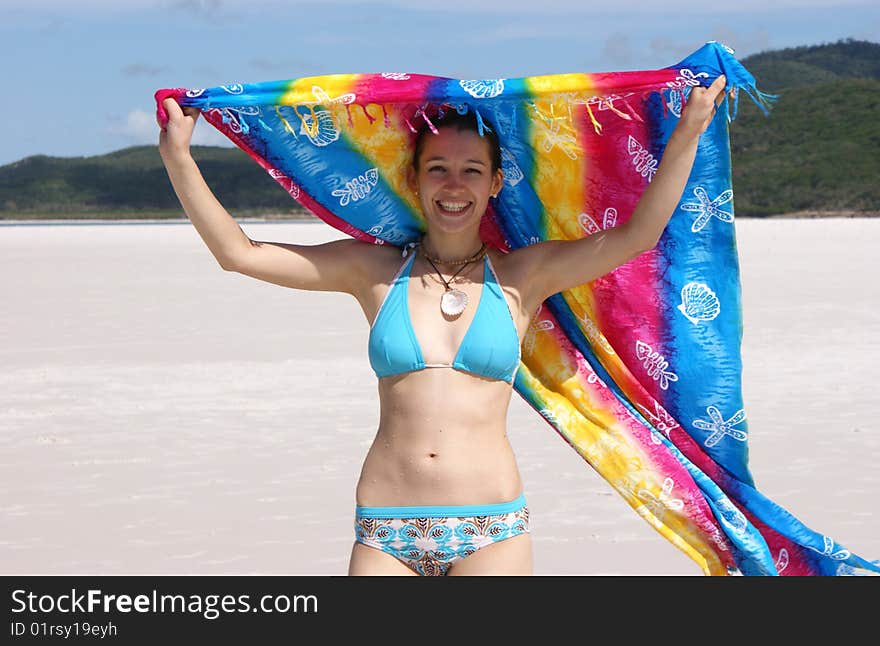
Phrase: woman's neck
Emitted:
{"points": [[451, 247]]}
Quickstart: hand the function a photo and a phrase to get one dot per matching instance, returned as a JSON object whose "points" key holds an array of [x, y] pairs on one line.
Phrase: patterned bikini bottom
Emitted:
{"points": [[431, 539]]}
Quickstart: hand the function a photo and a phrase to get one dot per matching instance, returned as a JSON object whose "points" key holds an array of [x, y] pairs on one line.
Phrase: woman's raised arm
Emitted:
{"points": [[334, 266], [557, 265]]}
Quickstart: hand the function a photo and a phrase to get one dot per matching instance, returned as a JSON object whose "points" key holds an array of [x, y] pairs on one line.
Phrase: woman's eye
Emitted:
{"points": [[474, 170], [434, 168]]}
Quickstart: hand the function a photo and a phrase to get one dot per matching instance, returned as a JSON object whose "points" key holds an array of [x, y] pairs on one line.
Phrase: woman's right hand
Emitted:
{"points": [[175, 137]]}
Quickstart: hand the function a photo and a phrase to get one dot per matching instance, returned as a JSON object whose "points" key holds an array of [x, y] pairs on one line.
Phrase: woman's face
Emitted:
{"points": [[455, 179]]}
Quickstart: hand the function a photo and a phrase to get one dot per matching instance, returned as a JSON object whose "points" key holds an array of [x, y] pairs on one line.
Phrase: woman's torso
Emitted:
{"points": [[442, 431]]}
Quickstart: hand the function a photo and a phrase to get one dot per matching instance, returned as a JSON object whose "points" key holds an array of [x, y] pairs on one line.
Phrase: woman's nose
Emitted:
{"points": [[453, 180]]}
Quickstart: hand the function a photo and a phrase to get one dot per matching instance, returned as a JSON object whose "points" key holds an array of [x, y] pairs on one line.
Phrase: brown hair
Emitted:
{"points": [[466, 121]]}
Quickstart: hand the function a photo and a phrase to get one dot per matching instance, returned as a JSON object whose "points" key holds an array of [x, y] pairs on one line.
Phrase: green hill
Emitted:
{"points": [[818, 152], [812, 65], [133, 183]]}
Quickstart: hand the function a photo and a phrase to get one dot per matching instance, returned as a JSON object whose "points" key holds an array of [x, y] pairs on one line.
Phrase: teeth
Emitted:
{"points": [[454, 206]]}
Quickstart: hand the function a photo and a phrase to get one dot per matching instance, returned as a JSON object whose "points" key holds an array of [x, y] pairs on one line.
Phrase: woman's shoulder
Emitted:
{"points": [[379, 262], [516, 272], [512, 267]]}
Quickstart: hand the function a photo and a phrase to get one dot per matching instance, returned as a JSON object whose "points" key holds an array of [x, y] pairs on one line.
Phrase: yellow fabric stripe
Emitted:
{"points": [[597, 436]]}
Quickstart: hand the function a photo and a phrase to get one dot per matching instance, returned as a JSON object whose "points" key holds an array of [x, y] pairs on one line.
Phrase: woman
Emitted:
{"points": [[440, 492]]}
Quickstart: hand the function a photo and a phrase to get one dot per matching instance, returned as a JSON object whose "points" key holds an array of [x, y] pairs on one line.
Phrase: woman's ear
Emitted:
{"points": [[411, 180], [497, 182]]}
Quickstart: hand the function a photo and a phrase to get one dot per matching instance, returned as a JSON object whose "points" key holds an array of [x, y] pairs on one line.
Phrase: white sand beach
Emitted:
{"points": [[161, 416]]}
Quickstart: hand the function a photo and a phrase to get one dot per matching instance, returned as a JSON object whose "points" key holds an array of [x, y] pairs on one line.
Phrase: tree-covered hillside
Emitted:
{"points": [[819, 150]]}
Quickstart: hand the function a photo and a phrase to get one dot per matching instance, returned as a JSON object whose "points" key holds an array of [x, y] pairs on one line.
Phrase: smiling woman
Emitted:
{"points": [[548, 261], [441, 470], [454, 174]]}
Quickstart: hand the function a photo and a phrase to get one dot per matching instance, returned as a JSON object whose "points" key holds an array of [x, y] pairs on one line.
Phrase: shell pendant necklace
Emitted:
{"points": [[454, 301]]}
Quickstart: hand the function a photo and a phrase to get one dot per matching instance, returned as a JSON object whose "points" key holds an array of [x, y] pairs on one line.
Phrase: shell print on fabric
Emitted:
{"points": [[483, 89], [699, 303], [321, 130]]}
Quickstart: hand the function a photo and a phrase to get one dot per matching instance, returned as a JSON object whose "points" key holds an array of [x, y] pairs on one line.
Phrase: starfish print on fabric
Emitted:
{"points": [[553, 138], [658, 505], [719, 427], [707, 208]]}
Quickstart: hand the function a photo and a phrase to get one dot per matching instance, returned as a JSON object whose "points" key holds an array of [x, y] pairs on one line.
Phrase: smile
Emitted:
{"points": [[453, 206]]}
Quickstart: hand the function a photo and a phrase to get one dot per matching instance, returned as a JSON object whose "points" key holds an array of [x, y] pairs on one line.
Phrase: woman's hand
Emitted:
{"points": [[700, 107], [175, 137]]}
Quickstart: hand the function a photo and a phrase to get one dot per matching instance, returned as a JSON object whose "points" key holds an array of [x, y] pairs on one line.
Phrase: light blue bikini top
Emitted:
{"points": [[490, 346]]}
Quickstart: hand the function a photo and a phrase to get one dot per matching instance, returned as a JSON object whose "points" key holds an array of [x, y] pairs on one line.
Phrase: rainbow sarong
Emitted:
{"points": [[639, 370]]}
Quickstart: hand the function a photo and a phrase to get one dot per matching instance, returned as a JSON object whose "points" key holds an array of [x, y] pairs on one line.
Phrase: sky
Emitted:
{"points": [[79, 75]]}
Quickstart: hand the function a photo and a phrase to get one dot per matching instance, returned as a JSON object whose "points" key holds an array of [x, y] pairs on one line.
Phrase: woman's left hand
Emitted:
{"points": [[700, 108]]}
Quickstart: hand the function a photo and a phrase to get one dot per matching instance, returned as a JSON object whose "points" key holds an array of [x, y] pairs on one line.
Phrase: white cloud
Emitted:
{"points": [[618, 49], [139, 127], [143, 69]]}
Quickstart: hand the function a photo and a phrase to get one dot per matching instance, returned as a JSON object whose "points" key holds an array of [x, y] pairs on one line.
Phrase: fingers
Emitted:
{"points": [[170, 110], [192, 112], [718, 83], [716, 89], [172, 107], [714, 92], [175, 112], [702, 105]]}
